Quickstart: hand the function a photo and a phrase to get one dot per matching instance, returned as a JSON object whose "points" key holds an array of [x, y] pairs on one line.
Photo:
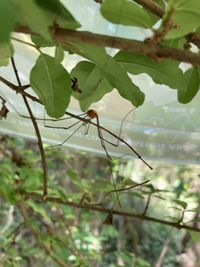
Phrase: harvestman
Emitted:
{"points": [[86, 120]]}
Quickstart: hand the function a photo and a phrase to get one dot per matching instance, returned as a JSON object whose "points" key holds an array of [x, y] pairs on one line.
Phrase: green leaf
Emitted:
{"points": [[126, 13], [181, 203], [40, 210], [41, 42], [32, 179], [186, 17], [57, 12], [112, 71], [195, 236], [52, 83], [40, 15], [31, 15], [92, 83], [136, 194], [165, 72], [6, 51], [192, 83], [73, 174], [177, 43], [59, 54], [103, 88], [7, 19]]}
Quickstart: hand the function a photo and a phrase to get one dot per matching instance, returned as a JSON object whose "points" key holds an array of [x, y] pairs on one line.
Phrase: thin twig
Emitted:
{"points": [[124, 189], [16, 88], [147, 204], [37, 131], [39, 197]]}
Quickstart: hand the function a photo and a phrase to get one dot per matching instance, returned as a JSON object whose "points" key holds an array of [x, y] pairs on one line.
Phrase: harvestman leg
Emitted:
{"points": [[120, 131]]}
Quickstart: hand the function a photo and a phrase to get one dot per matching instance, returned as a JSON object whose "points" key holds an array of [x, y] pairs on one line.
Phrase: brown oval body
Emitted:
{"points": [[92, 113]]}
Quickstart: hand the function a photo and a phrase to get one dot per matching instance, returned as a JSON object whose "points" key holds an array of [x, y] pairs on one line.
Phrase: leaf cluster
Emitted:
{"points": [[101, 73]]}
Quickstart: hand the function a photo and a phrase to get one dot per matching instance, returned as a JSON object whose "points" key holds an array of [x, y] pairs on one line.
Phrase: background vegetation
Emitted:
{"points": [[31, 229]]}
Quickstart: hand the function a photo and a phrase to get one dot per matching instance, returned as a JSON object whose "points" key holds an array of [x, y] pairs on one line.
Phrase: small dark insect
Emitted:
{"points": [[4, 110], [75, 86]]}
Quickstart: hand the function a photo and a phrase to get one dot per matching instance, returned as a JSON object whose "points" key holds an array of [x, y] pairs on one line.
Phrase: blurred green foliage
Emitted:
{"points": [[34, 233]]}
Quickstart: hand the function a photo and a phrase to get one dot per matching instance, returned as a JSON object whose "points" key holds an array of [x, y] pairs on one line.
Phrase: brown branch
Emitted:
{"points": [[152, 6], [39, 197], [16, 88], [37, 131], [153, 50]]}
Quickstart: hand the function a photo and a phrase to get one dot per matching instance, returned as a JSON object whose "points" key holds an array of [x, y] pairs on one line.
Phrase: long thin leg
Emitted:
{"points": [[87, 128], [69, 135], [102, 139], [120, 131], [122, 122], [38, 119], [62, 127], [108, 157]]}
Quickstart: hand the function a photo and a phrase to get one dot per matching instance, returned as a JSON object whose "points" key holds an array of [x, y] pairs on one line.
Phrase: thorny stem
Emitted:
{"points": [[38, 197], [37, 131]]}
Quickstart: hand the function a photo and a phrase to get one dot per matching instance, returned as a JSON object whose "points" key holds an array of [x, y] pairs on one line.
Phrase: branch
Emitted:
{"points": [[124, 189], [152, 6], [16, 88], [38, 197], [152, 50], [37, 131], [148, 4]]}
